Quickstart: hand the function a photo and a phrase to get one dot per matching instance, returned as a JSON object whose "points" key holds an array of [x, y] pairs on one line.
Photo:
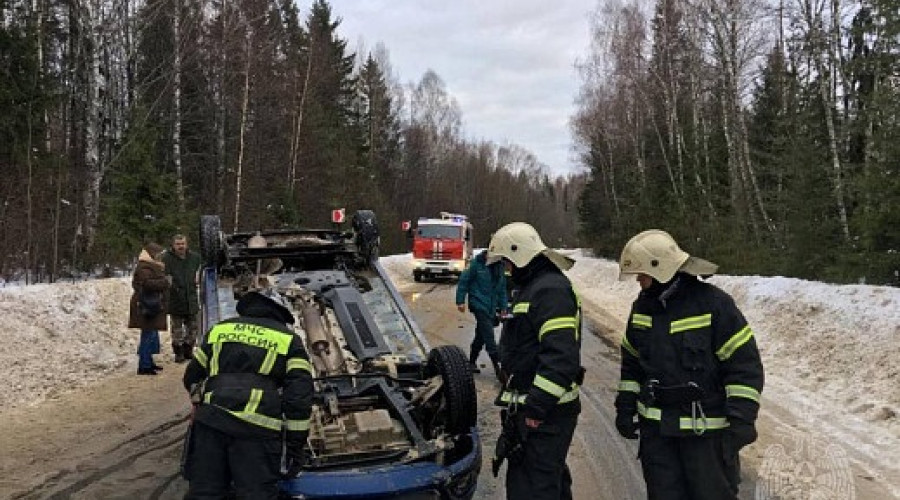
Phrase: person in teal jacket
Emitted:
{"points": [[485, 286]]}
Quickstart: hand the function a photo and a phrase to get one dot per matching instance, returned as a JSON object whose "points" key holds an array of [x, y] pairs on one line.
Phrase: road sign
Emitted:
{"points": [[337, 216]]}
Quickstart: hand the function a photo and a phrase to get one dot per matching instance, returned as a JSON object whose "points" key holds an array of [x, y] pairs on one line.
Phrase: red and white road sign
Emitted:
{"points": [[337, 216], [406, 225]]}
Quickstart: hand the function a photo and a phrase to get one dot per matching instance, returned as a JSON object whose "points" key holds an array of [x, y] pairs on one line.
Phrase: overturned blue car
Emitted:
{"points": [[392, 417]]}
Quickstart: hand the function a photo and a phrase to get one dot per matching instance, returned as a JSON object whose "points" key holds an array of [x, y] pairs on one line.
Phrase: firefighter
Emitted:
{"points": [[252, 380], [485, 287], [540, 350], [691, 374]]}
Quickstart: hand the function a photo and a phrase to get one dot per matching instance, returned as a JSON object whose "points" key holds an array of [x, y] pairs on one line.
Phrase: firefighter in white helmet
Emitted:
{"points": [[540, 352], [691, 374]]}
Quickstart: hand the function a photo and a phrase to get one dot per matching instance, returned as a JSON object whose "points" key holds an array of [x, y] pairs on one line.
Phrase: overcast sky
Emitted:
{"points": [[510, 64]]}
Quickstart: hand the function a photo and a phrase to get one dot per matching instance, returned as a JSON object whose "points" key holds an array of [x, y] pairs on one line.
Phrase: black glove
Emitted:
{"points": [[741, 433], [626, 425], [510, 442]]}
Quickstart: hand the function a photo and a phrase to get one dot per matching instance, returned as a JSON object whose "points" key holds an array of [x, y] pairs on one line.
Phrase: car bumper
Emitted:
{"points": [[417, 480]]}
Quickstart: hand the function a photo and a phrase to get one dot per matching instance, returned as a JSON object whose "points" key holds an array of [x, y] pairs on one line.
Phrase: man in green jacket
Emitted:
{"points": [[183, 266], [485, 285]]}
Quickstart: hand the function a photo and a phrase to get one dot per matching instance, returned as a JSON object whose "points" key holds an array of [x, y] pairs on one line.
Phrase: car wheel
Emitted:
{"points": [[211, 250], [417, 277], [458, 389]]}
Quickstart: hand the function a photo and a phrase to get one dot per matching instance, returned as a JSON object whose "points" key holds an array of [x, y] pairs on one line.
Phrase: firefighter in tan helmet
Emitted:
{"points": [[691, 374], [540, 352]]}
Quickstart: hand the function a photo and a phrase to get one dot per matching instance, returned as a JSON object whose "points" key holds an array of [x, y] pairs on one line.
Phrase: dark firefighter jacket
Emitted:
{"points": [[541, 344], [690, 333], [255, 379], [183, 299], [485, 285]]}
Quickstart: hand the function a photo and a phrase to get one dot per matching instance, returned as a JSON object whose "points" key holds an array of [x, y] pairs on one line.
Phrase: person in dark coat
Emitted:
{"points": [[183, 266], [149, 280], [485, 287]]}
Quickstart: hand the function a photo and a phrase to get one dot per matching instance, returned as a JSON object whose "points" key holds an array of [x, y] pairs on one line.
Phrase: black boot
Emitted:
{"points": [[473, 362], [178, 349], [188, 351], [501, 375]]}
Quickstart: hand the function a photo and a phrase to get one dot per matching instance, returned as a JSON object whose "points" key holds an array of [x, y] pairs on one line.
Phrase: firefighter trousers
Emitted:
{"points": [[219, 464], [541, 472], [689, 468]]}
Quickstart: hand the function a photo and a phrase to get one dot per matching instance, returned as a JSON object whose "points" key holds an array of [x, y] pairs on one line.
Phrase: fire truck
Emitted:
{"points": [[442, 247]]}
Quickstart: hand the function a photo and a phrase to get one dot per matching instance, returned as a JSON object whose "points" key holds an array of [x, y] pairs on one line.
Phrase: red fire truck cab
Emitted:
{"points": [[441, 247]]}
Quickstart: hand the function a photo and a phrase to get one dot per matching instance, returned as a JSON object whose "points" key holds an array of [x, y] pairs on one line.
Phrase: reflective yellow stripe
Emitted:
{"points": [[548, 386], [508, 397], [708, 423], [274, 424], [684, 423], [736, 341], [253, 403], [299, 364], [649, 413], [742, 391], [566, 397], [521, 308], [628, 347], [214, 366], [558, 324], [629, 386], [570, 395], [252, 335], [296, 425], [641, 320], [201, 358], [207, 398], [692, 323], [268, 363]]}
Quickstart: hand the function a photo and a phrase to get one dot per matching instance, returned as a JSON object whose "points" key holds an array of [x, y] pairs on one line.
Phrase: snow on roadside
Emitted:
{"points": [[61, 337]]}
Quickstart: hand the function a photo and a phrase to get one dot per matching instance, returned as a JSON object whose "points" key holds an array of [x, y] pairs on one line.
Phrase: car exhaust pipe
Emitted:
{"points": [[320, 341]]}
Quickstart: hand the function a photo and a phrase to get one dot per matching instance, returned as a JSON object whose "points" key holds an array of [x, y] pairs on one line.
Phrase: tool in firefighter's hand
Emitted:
{"points": [[510, 443]]}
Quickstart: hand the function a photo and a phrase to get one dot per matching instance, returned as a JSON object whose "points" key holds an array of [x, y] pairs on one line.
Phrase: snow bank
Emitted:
{"points": [[62, 336]]}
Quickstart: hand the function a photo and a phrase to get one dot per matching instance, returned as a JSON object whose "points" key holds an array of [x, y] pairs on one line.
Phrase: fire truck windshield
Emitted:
{"points": [[438, 231]]}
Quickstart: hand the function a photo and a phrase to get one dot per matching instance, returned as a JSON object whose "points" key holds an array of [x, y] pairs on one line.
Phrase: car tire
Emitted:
{"points": [[211, 248], [417, 277], [458, 389]]}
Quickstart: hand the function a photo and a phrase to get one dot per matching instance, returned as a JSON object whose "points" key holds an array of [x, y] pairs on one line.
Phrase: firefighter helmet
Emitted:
{"points": [[265, 302], [656, 254], [519, 243]]}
